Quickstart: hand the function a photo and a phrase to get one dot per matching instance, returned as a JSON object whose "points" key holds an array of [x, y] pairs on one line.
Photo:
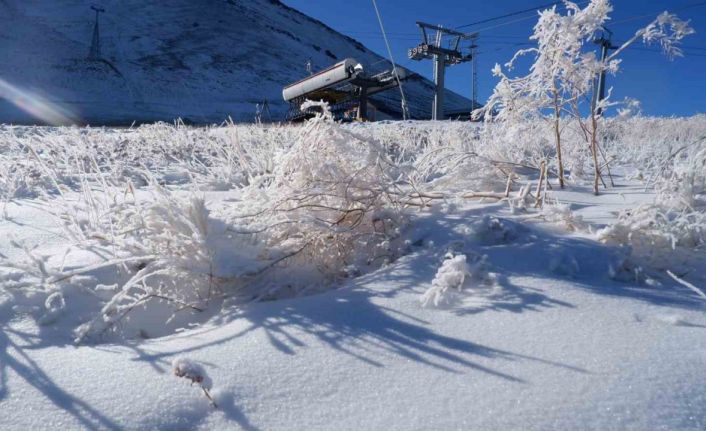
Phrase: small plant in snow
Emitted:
{"points": [[194, 372], [561, 214], [455, 276], [54, 306]]}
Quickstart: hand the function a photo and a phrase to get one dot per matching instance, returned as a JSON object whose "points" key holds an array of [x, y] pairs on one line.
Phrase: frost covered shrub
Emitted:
{"points": [[305, 207], [683, 185], [35, 160], [328, 204], [327, 210], [649, 148], [171, 242], [654, 232], [670, 156], [332, 202], [451, 156], [159, 248]]}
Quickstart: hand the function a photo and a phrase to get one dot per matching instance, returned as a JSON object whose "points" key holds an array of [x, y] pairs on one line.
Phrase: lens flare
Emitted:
{"points": [[35, 105]]}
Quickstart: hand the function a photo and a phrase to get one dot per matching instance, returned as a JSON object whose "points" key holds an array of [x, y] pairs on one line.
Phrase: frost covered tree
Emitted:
{"points": [[562, 77], [558, 69]]}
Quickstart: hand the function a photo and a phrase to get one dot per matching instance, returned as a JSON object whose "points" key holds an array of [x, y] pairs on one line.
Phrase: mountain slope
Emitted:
{"points": [[203, 61]]}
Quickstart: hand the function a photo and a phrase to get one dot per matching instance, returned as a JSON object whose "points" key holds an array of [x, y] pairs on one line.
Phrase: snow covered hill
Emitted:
{"points": [[201, 61]]}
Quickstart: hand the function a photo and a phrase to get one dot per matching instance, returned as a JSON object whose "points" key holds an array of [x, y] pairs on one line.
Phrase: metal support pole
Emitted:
{"points": [[474, 78], [442, 57], [601, 79], [440, 69], [599, 91], [363, 104]]}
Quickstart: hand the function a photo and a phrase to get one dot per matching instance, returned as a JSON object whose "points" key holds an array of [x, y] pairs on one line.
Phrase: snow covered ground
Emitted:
{"points": [[548, 319]]}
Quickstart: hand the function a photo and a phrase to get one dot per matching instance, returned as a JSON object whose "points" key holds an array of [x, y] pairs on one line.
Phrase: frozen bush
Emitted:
{"points": [[670, 156], [331, 204], [654, 232], [327, 208], [682, 184]]}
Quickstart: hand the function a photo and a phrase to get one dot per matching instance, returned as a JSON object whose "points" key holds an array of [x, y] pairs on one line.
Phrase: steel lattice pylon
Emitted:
{"points": [[95, 51], [442, 57]]}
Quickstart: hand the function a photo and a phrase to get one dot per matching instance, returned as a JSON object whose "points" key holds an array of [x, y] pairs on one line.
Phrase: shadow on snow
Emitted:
{"points": [[361, 321]]}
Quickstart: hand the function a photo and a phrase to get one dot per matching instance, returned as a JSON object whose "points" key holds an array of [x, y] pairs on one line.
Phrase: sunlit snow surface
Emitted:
{"points": [[550, 341]]}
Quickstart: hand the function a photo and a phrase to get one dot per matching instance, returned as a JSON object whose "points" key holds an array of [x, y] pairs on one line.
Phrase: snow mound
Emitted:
{"points": [[672, 319], [564, 264], [625, 270], [491, 230]]}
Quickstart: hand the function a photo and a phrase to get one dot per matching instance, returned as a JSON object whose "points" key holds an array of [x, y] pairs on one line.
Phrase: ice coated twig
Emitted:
{"points": [[687, 284], [210, 398], [113, 262], [483, 195]]}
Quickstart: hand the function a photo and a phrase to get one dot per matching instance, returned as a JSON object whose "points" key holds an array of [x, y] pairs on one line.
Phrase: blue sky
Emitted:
{"points": [[664, 87]]}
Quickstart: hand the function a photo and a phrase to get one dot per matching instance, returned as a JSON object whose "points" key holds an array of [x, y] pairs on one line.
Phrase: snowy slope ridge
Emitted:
{"points": [[201, 61]]}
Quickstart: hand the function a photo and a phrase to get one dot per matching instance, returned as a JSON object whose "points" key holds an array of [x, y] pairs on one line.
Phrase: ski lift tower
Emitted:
{"points": [[95, 52], [442, 57], [599, 87]]}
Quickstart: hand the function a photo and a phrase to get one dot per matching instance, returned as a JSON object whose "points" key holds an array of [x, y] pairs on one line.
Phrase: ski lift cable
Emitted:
{"points": [[519, 12], [495, 18], [509, 14], [525, 18], [392, 60], [636, 17]]}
